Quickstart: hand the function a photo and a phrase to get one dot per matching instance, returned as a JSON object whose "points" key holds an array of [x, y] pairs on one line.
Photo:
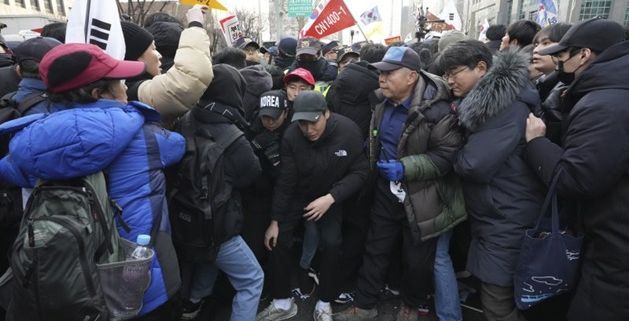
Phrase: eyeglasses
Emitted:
{"points": [[450, 74]]}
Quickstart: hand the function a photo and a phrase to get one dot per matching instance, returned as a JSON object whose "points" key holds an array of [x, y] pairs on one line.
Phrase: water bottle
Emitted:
{"points": [[136, 277], [142, 251]]}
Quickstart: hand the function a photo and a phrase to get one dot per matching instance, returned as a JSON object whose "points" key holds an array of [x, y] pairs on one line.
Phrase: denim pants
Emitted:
{"points": [[237, 261], [447, 303], [310, 244]]}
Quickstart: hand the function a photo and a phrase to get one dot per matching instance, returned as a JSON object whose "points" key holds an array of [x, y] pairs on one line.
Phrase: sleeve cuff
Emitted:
{"points": [[543, 156]]}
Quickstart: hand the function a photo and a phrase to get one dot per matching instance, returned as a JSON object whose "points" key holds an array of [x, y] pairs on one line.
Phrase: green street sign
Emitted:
{"points": [[299, 8]]}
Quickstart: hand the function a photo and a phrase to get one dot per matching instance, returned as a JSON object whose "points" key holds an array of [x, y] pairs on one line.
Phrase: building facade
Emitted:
{"points": [[508, 11], [21, 15]]}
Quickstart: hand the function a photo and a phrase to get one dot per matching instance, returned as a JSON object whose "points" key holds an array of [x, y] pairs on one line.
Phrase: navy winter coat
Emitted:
{"points": [[502, 194]]}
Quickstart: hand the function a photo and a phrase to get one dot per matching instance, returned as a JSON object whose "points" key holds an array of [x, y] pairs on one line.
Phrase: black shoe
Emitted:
{"points": [[190, 310]]}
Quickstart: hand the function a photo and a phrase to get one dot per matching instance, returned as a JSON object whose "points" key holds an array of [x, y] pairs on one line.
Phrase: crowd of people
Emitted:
{"points": [[349, 171]]}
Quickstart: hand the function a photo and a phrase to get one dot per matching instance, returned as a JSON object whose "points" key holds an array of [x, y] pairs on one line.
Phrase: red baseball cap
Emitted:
{"points": [[74, 65], [301, 74]]}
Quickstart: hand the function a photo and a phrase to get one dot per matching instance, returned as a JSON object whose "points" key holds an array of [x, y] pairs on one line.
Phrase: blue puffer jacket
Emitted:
{"points": [[30, 86], [127, 142]]}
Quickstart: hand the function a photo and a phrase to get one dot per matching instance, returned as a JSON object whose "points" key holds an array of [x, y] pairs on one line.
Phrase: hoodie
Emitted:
{"points": [[242, 167], [352, 94], [258, 81]]}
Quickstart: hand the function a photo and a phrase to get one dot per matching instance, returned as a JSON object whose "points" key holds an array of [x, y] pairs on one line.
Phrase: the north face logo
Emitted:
{"points": [[341, 153]]}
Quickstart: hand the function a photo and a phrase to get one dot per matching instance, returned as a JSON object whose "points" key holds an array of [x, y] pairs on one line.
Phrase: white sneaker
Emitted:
{"points": [[322, 314], [271, 313]]}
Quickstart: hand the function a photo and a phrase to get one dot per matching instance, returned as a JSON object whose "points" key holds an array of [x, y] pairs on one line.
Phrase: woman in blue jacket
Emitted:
{"points": [[101, 131]]}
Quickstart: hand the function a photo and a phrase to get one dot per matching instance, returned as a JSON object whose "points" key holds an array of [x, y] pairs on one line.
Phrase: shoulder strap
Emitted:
{"points": [[31, 100], [226, 139]]}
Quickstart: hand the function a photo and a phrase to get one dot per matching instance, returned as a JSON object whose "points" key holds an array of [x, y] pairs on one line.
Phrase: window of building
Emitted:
{"points": [[48, 5], [533, 15], [61, 9], [35, 5], [627, 14], [7, 2], [591, 9], [20, 3]]}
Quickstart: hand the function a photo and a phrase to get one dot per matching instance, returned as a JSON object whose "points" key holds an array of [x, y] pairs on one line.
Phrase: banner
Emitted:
{"points": [[231, 29], [334, 17], [483, 31], [370, 16], [98, 23], [547, 13], [319, 5], [209, 3]]}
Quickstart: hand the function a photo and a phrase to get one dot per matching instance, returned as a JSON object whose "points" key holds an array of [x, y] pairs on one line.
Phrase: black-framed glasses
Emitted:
{"points": [[452, 73]]}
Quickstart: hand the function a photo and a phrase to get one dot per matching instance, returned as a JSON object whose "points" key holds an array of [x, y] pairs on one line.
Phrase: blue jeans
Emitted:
{"points": [[310, 245], [237, 261], [447, 303]]}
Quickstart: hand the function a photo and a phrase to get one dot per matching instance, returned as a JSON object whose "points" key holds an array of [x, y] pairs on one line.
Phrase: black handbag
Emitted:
{"points": [[549, 259]]}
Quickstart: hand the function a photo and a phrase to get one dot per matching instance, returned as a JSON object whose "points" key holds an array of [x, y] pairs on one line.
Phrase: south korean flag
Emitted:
{"points": [[96, 22]]}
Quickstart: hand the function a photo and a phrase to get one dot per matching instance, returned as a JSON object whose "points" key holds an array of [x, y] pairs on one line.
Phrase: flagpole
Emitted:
{"points": [[361, 31], [87, 20]]}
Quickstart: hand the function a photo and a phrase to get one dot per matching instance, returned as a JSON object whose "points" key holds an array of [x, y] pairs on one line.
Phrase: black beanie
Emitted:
{"points": [[136, 39]]}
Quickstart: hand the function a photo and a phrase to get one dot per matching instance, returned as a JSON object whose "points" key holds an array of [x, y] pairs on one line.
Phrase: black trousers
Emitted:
{"points": [[281, 260], [388, 221], [356, 212]]}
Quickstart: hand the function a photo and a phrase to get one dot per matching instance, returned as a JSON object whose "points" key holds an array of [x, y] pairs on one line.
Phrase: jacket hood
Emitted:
{"points": [[283, 62], [355, 83], [6, 60], [87, 139], [228, 87], [505, 82], [257, 78], [603, 73]]}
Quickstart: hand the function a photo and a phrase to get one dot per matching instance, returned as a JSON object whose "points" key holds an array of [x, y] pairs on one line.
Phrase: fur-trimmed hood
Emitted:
{"points": [[507, 81]]}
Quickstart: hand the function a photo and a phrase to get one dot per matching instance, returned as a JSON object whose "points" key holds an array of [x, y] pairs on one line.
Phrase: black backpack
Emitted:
{"points": [[11, 195], [68, 227], [197, 186]]}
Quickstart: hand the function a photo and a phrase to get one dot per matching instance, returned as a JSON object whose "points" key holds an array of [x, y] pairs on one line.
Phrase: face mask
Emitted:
{"points": [[565, 77]]}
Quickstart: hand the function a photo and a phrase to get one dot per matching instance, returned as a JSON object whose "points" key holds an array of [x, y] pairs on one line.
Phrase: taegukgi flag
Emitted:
{"points": [[370, 16], [96, 22], [547, 13]]}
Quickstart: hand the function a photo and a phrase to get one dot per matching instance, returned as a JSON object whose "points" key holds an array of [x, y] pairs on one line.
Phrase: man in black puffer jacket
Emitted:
{"points": [[594, 161], [323, 165], [221, 107]]}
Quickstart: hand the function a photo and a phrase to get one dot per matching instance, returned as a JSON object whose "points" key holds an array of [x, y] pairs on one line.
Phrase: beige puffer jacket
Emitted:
{"points": [[178, 90]]}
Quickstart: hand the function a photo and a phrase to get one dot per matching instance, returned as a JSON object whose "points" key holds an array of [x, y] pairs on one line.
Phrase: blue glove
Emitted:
{"points": [[392, 169]]}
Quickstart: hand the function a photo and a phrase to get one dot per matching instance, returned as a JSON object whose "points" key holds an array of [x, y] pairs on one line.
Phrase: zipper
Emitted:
{"points": [[82, 255], [35, 270]]}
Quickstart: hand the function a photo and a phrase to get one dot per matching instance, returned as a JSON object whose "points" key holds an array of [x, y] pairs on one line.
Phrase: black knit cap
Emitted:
{"points": [[136, 39]]}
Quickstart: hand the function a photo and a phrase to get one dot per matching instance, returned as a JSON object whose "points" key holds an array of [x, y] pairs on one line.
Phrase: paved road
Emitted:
{"points": [[387, 310]]}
